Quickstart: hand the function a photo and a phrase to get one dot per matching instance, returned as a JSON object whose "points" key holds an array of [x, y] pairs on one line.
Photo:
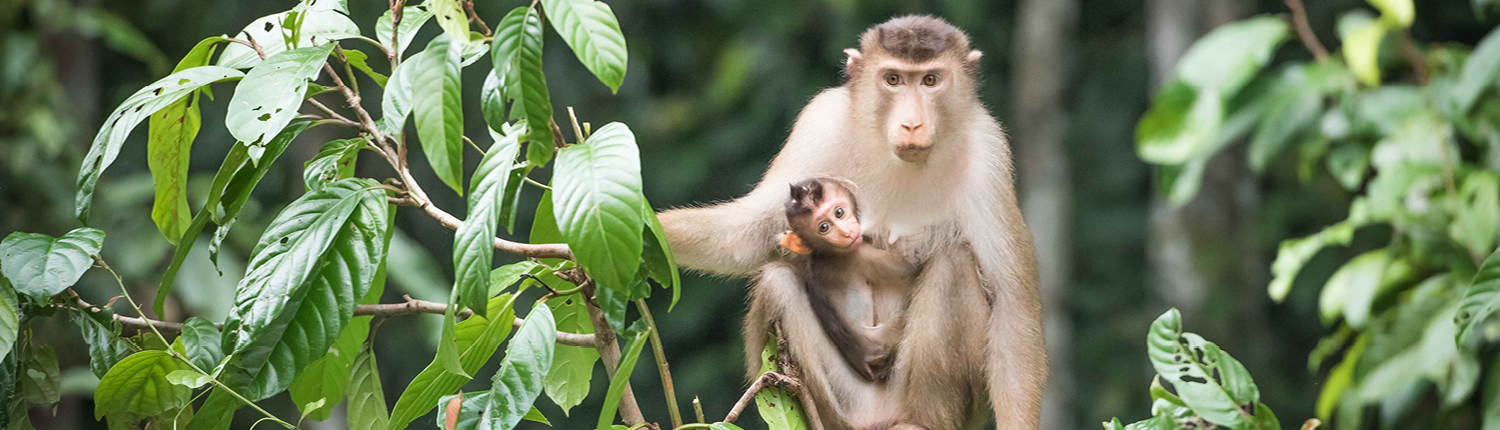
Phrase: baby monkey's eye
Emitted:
{"points": [[838, 213], [892, 80], [823, 228], [930, 80]]}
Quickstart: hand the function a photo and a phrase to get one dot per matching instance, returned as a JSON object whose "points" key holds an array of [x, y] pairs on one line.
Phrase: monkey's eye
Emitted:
{"points": [[930, 80], [823, 228], [838, 213], [892, 79]]}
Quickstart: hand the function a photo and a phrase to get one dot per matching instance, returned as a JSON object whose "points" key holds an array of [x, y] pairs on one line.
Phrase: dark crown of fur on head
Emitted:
{"points": [[915, 38], [805, 195]]}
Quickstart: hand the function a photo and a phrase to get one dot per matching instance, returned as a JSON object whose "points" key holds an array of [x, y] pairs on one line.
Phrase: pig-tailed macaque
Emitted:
{"points": [[837, 265], [935, 181]]}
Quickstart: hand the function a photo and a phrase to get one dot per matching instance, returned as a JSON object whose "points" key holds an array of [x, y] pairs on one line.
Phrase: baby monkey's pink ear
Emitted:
{"points": [[974, 56], [854, 60], [794, 243]]}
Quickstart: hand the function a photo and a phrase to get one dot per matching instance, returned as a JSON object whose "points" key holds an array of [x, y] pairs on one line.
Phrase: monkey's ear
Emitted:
{"points": [[974, 56], [854, 60], [794, 243]]}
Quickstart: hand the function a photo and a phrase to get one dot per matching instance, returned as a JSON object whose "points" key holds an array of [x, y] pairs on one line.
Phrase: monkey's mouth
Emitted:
{"points": [[912, 153]]}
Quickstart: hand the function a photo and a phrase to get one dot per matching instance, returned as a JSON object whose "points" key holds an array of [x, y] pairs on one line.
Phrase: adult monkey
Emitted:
{"points": [[934, 178]]}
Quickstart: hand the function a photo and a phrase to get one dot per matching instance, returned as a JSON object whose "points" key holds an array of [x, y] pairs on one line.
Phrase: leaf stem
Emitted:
{"points": [[661, 362], [533, 182]]}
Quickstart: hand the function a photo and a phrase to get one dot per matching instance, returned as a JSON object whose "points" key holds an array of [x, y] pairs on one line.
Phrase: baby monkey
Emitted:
{"points": [[825, 231]]}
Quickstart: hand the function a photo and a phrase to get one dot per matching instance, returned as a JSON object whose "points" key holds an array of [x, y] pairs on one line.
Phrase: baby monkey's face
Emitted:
{"points": [[833, 221]]}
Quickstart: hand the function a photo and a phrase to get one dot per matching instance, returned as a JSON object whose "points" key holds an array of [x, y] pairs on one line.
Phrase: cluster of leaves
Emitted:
{"points": [[1213, 389], [1411, 132], [293, 327]]}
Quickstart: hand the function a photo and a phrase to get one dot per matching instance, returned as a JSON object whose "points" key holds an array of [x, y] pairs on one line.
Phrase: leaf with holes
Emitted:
{"points": [[451, 18], [589, 27], [572, 366], [519, 380], [267, 100], [473, 244], [138, 106], [40, 382], [316, 27], [335, 161], [169, 146], [412, 19], [315, 260], [477, 338], [438, 107], [41, 267], [139, 385], [778, 408], [517, 55], [1213, 384], [596, 198]]}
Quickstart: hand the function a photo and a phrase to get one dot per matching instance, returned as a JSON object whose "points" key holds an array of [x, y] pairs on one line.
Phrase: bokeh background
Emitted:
{"points": [[712, 89]]}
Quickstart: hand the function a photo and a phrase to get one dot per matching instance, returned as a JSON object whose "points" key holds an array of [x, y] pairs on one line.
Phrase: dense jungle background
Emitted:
{"points": [[711, 91]]}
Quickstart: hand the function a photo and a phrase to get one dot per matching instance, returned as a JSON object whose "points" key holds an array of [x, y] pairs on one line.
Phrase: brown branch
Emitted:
{"points": [[768, 379], [1304, 30], [409, 307], [549, 250], [608, 345], [1414, 57], [474, 17]]}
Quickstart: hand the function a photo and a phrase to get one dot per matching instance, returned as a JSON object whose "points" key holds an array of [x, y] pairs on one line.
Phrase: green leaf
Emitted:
{"points": [[613, 304], [589, 27], [473, 244], [1362, 50], [1348, 163], [1295, 253], [492, 102], [311, 265], [1340, 379], [536, 416], [268, 98], [1480, 302], [396, 104], [366, 397], [452, 19], [118, 125], [1227, 58], [1359, 277], [470, 409], [42, 382], [660, 262], [618, 382], [1210, 382], [1181, 125], [188, 378], [518, 382], [105, 345], [334, 161], [41, 267], [1478, 210], [322, 383], [10, 319], [438, 106], [201, 340], [723, 426], [447, 351], [316, 27], [597, 199], [777, 407], [544, 225], [517, 55], [217, 412], [1480, 71], [168, 148], [139, 385], [1400, 12], [572, 366], [1294, 108], [360, 61], [478, 338], [412, 19]]}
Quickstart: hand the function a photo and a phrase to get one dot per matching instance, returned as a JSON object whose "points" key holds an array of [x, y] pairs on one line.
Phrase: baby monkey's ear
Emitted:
{"points": [[794, 243]]}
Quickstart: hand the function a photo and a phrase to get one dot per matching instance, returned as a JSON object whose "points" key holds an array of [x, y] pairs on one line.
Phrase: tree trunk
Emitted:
{"points": [[1039, 122]]}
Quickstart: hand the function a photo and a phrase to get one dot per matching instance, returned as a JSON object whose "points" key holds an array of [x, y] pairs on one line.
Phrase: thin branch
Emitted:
{"points": [[474, 17], [661, 362], [1304, 30], [348, 68], [1414, 57], [549, 250], [608, 345], [331, 114], [698, 410], [768, 379]]}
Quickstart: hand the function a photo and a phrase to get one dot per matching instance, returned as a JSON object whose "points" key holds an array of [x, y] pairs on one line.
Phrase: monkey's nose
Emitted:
{"points": [[910, 127]]}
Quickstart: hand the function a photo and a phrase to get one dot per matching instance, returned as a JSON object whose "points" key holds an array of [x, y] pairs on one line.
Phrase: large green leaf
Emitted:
{"points": [[169, 146], [492, 102], [138, 106], [40, 382], [478, 338], [1294, 106], [1359, 277], [201, 340], [660, 262], [314, 27], [41, 267], [1182, 124], [412, 19], [268, 98], [10, 319], [1295, 253], [473, 244], [334, 161], [621, 378], [596, 198], [138, 385], [315, 260], [366, 397], [438, 107], [396, 103], [589, 27], [517, 55], [1479, 72], [1480, 301], [321, 386], [572, 366], [518, 382], [105, 345], [1227, 58], [1213, 384]]}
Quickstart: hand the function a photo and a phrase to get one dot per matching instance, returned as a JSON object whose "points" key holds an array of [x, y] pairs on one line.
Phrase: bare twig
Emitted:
{"points": [[698, 410], [474, 17], [549, 250], [661, 362], [1304, 30], [768, 379]]}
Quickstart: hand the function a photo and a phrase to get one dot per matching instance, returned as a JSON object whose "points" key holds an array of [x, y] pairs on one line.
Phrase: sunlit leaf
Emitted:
{"points": [[10, 319], [1401, 12], [589, 27], [1182, 124], [139, 385], [317, 27], [360, 61], [451, 18], [268, 98], [412, 19], [1359, 277], [1362, 51], [1227, 58], [117, 126], [40, 266], [438, 108], [597, 203]]}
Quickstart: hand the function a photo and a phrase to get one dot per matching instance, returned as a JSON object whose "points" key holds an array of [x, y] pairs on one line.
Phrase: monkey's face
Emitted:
{"points": [[912, 100], [833, 222]]}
